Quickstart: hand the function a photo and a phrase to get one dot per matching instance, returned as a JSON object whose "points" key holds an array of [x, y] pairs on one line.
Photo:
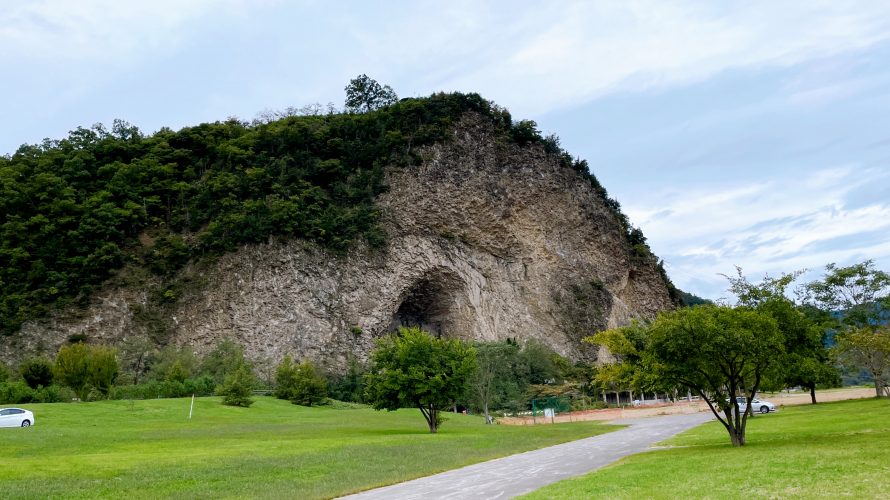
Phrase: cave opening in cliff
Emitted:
{"points": [[429, 304]]}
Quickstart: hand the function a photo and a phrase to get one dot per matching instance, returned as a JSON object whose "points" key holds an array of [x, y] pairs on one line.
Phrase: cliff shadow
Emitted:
{"points": [[436, 302]]}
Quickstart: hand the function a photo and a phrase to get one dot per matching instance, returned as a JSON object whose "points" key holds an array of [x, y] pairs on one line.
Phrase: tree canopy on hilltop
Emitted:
{"points": [[75, 210]]}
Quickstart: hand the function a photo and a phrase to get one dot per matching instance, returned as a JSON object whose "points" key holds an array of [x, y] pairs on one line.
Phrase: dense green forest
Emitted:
{"points": [[690, 299], [73, 211]]}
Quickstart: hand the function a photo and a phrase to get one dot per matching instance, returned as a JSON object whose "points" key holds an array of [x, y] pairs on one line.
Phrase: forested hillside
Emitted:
{"points": [[73, 211]]}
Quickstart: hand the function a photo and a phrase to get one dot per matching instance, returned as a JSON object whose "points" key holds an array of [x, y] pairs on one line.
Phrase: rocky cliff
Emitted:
{"points": [[485, 240]]}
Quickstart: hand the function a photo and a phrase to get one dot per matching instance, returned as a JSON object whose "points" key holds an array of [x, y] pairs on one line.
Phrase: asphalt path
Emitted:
{"points": [[519, 474]]}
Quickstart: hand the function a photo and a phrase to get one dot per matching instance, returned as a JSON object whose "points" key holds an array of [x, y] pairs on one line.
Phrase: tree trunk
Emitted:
{"points": [[738, 437], [487, 416], [879, 385], [736, 432], [431, 414], [813, 393]]}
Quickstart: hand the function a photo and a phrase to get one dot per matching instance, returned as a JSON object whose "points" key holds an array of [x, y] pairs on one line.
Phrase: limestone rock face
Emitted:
{"points": [[486, 241]]}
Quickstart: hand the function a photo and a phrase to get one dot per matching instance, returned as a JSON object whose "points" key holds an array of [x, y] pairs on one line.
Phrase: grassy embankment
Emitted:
{"points": [[148, 449], [826, 450]]}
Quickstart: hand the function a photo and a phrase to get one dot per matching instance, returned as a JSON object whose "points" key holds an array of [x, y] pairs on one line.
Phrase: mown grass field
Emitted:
{"points": [[148, 449], [828, 450]]}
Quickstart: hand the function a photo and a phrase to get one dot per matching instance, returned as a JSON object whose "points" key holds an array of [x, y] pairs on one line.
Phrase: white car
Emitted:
{"points": [[16, 417], [756, 405]]}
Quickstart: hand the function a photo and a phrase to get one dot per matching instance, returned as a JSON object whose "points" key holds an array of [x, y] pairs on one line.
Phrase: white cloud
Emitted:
{"points": [[765, 227], [61, 30], [596, 48]]}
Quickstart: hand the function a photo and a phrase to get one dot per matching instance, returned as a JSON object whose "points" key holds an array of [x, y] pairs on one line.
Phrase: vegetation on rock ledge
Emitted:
{"points": [[75, 210]]}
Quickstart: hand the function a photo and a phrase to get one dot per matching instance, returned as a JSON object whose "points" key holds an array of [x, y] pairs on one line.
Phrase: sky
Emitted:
{"points": [[751, 134]]}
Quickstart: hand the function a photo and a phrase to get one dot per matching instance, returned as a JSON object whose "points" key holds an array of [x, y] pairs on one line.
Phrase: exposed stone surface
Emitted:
{"points": [[486, 241]]}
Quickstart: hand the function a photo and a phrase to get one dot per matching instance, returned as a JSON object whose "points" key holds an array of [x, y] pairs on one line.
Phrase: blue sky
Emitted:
{"points": [[734, 133]]}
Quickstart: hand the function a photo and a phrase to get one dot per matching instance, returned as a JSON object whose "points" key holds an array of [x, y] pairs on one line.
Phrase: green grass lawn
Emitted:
{"points": [[827, 450], [148, 449]]}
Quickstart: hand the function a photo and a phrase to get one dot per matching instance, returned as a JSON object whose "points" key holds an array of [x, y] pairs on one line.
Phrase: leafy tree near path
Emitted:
{"points": [[718, 352], [494, 379], [413, 369], [806, 361]]}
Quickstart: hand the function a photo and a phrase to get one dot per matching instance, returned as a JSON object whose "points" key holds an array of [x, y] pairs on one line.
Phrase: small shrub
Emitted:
{"points": [[16, 393], [53, 394], [173, 389], [177, 373], [236, 389], [37, 372], [136, 391], [201, 386], [300, 384], [349, 386], [311, 387]]}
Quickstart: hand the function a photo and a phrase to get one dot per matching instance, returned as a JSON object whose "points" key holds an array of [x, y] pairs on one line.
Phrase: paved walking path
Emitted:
{"points": [[519, 474]]}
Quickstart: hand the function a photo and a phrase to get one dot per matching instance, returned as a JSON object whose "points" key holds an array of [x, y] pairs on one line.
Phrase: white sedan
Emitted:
{"points": [[756, 405], [16, 417]]}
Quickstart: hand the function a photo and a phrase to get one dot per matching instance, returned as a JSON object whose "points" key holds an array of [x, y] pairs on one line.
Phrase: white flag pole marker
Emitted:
{"points": [[191, 407]]}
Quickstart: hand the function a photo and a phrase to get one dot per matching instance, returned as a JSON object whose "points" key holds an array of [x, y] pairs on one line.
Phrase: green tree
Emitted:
{"points": [[626, 345], [84, 367], [301, 384], [537, 363], [223, 360], [364, 94], [349, 386], [806, 361], [860, 293], [135, 356], [237, 387], [719, 353], [868, 348], [626, 370], [103, 368], [414, 369], [495, 379], [285, 378], [73, 369], [859, 297], [173, 364], [310, 388], [37, 372], [177, 373]]}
